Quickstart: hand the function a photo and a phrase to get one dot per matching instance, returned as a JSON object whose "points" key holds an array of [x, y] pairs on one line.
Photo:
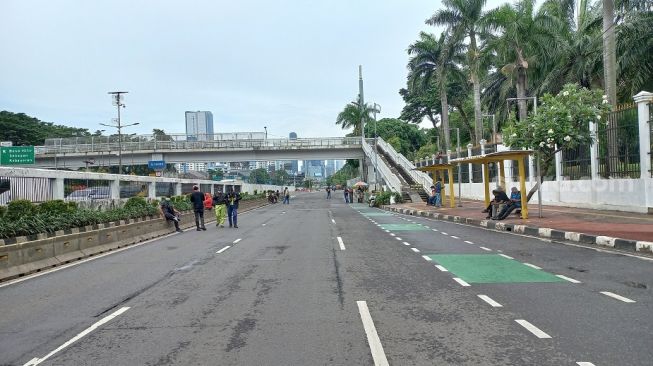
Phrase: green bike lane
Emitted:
{"points": [[578, 316]]}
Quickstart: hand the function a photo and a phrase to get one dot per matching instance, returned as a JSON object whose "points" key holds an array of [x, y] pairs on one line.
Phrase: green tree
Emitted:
{"points": [[280, 177], [259, 176], [22, 129], [405, 137], [463, 17], [161, 135], [351, 117]]}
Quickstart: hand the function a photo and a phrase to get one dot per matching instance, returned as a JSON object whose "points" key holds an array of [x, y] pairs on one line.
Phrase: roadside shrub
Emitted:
{"points": [[20, 208], [383, 198], [57, 206], [3, 211], [135, 202]]}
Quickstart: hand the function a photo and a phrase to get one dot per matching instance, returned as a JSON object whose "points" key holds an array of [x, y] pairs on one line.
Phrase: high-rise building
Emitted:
{"points": [[314, 169], [330, 168], [292, 136], [199, 126]]}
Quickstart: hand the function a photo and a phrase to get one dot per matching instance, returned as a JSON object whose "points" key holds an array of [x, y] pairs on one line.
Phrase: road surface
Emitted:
{"points": [[321, 282]]}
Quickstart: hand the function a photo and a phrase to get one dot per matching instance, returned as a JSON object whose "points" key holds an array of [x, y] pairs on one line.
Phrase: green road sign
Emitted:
{"points": [[16, 155]]}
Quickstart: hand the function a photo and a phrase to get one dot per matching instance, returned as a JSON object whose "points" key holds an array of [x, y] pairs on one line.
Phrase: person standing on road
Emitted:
{"points": [[286, 196], [328, 189], [232, 208], [168, 211], [346, 193], [197, 199], [220, 207]]}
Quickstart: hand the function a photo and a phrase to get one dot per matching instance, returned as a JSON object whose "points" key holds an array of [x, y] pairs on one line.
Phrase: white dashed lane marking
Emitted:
{"points": [[618, 297], [415, 250], [486, 249], [568, 279], [441, 268], [461, 282], [532, 266], [533, 329], [488, 300], [223, 249]]}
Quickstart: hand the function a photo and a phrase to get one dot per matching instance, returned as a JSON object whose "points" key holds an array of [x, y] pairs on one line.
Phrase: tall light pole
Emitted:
{"points": [[539, 178], [361, 101], [118, 102], [377, 109]]}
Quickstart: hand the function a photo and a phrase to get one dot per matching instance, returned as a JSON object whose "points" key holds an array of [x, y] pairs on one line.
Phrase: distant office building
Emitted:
{"points": [[294, 166], [330, 168], [192, 167], [292, 136], [339, 164], [314, 168], [199, 126]]}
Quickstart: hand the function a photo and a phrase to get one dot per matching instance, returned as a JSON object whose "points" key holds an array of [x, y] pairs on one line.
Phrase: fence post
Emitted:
{"points": [[57, 189], [594, 151], [484, 167], [151, 190], [643, 99], [115, 188], [470, 169], [177, 189], [558, 165], [531, 168]]}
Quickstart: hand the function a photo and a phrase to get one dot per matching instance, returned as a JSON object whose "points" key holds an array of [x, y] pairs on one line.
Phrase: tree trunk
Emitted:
{"points": [[445, 109], [610, 80], [478, 118], [521, 93]]}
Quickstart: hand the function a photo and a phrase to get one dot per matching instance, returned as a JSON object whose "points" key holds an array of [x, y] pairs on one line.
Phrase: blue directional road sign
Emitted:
{"points": [[156, 164]]}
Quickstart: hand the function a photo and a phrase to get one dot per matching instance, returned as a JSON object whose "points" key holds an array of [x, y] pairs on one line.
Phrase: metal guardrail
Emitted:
{"points": [[152, 143], [393, 182], [418, 176]]}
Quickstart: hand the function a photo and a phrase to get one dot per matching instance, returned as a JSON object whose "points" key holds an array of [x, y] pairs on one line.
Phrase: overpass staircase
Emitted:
{"points": [[415, 184]]}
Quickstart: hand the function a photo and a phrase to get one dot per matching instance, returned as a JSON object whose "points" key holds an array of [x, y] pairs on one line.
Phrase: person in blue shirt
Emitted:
{"points": [[438, 194], [515, 202]]}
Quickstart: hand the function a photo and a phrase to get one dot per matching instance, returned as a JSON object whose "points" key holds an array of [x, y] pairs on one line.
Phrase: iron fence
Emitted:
{"points": [[618, 139], [130, 189], [86, 189], [577, 163], [164, 189], [24, 188], [650, 126]]}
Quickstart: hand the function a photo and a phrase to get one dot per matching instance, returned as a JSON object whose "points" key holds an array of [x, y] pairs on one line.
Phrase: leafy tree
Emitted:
{"points": [[351, 117], [280, 177], [405, 137], [259, 176], [348, 171], [561, 123], [160, 135], [22, 129], [463, 17]]}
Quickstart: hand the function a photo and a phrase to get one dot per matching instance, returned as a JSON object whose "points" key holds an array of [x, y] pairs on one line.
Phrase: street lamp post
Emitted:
{"points": [[118, 102], [539, 177], [377, 109]]}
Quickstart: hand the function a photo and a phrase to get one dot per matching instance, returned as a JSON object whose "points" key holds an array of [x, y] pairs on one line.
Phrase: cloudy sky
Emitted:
{"points": [[290, 65]]}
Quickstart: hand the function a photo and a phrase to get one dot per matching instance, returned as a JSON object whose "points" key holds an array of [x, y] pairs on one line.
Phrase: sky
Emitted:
{"points": [[290, 65]]}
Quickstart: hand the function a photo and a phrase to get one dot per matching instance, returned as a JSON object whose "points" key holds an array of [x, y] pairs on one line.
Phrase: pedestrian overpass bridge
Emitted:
{"points": [[379, 159]]}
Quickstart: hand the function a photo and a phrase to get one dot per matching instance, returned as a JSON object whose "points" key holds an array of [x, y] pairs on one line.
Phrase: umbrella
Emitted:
{"points": [[360, 184]]}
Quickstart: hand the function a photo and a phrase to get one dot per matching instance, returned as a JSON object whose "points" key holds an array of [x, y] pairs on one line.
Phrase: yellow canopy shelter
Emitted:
{"points": [[438, 175], [500, 158]]}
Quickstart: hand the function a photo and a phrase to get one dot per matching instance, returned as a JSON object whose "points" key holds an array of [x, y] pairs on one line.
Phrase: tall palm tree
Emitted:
{"points": [[609, 52], [520, 38], [463, 18], [435, 61], [352, 116]]}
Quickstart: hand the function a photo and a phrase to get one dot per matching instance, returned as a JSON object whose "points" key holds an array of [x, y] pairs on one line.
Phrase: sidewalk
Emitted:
{"points": [[609, 228]]}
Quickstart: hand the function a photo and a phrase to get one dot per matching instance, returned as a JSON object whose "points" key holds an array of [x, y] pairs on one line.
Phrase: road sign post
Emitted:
{"points": [[16, 155]]}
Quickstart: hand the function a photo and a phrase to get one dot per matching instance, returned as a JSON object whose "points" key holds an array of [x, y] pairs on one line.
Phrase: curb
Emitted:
{"points": [[548, 233]]}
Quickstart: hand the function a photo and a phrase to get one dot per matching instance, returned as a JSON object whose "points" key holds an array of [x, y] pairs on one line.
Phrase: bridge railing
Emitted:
{"points": [[154, 143], [390, 178], [418, 176]]}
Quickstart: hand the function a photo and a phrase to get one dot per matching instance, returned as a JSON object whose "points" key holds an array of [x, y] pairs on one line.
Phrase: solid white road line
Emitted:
{"points": [[486, 249], [36, 361], [488, 300], [237, 240], [461, 282], [532, 266], [568, 279], [427, 258], [341, 244], [415, 250], [442, 269], [584, 364], [455, 237], [223, 249], [618, 297], [468, 242], [506, 256], [372, 337], [533, 329]]}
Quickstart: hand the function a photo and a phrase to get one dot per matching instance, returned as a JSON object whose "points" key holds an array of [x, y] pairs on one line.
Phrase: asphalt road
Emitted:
{"points": [[321, 282]]}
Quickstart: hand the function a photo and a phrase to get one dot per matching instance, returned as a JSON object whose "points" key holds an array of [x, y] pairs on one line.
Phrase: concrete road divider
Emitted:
{"points": [[45, 252]]}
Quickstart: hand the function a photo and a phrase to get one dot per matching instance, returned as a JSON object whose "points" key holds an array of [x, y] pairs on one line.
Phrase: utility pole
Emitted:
{"points": [[361, 101], [118, 102], [377, 108], [460, 178]]}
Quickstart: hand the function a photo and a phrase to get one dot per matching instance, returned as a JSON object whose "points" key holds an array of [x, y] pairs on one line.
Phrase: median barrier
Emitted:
{"points": [[45, 252]]}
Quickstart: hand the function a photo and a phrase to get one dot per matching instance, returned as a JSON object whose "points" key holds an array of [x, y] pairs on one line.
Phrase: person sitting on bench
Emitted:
{"points": [[499, 197], [515, 202]]}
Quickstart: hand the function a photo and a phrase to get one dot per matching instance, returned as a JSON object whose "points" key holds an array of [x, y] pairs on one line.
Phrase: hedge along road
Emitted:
{"points": [[286, 293]]}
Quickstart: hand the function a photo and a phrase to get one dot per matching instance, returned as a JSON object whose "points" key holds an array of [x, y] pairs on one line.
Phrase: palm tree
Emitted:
{"points": [[609, 52], [351, 117], [463, 18], [520, 40]]}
